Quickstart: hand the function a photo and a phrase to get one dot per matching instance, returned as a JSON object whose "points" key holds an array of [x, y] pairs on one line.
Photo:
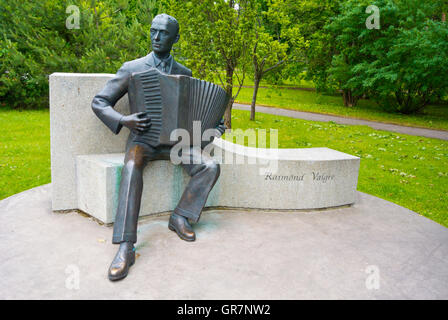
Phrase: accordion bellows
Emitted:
{"points": [[174, 101]]}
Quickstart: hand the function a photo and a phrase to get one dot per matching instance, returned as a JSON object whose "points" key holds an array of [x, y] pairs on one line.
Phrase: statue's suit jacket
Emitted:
{"points": [[117, 87]]}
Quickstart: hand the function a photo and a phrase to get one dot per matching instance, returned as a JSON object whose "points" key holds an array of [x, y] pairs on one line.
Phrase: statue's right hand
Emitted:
{"points": [[138, 122]]}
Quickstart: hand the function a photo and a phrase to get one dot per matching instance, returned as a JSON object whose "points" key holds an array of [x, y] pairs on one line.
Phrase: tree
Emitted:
{"points": [[403, 64], [347, 46], [397, 64], [275, 42], [329, 58], [215, 37], [29, 42], [37, 41], [310, 17], [443, 7]]}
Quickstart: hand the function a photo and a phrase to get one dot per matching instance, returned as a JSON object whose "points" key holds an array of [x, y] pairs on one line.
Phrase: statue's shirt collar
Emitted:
{"points": [[158, 63]]}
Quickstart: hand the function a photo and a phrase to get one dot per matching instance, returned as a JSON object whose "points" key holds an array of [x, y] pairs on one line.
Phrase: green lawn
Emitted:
{"points": [[434, 116], [25, 150], [296, 83], [300, 83], [407, 170]]}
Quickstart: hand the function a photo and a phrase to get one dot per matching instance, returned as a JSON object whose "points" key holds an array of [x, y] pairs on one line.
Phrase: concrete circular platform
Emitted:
{"points": [[372, 250]]}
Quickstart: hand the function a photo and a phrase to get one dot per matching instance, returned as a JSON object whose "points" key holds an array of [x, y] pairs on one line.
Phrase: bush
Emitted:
{"points": [[402, 65], [36, 43], [17, 85], [408, 61]]}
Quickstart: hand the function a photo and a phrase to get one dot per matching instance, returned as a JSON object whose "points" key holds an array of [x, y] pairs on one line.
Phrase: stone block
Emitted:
{"points": [[311, 178], [75, 130]]}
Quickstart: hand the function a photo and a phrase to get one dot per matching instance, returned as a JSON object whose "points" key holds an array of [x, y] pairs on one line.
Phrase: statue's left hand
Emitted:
{"points": [[138, 123]]}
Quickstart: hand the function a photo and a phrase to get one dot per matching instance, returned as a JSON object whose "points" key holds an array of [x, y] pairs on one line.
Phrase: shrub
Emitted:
{"points": [[402, 65], [36, 43]]}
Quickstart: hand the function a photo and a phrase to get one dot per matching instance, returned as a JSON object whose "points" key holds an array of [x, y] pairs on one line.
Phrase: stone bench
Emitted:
{"points": [[86, 160], [305, 179]]}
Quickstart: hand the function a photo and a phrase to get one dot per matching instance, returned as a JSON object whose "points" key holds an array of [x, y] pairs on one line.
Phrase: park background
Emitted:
{"points": [[383, 60]]}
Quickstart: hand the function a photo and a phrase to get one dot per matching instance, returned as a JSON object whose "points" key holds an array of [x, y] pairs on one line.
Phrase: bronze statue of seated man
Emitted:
{"points": [[203, 170]]}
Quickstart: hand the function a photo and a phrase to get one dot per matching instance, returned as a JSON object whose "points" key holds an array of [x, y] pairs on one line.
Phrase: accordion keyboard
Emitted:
{"points": [[153, 102]]}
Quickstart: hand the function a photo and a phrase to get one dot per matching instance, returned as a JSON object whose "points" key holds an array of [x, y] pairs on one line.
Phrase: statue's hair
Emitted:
{"points": [[171, 19]]}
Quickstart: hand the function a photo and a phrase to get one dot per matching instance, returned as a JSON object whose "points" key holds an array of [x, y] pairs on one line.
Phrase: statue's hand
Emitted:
{"points": [[138, 122], [221, 128]]}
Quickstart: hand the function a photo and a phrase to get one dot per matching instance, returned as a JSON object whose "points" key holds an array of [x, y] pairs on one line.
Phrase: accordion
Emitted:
{"points": [[174, 102]]}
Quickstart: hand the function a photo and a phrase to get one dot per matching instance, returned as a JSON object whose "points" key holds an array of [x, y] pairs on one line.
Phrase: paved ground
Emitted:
{"points": [[429, 133], [239, 254]]}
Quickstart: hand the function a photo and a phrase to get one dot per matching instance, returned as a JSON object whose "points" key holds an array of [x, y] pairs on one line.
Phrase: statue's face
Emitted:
{"points": [[163, 35]]}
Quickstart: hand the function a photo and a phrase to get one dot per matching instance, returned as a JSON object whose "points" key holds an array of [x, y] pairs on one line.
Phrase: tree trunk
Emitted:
{"points": [[349, 99], [228, 114], [443, 16], [229, 91], [254, 96]]}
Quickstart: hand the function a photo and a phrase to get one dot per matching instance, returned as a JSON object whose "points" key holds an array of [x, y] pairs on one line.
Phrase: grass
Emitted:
{"points": [[407, 170], [296, 83], [24, 150], [434, 116]]}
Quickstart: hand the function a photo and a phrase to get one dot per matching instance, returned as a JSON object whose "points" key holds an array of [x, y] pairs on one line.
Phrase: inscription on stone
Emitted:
{"points": [[319, 177], [315, 176], [278, 177]]}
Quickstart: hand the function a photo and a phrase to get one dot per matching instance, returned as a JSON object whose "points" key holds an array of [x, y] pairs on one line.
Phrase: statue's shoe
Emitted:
{"points": [[123, 260], [181, 226]]}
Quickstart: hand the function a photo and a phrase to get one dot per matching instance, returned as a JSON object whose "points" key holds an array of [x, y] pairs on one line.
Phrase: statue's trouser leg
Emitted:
{"points": [[130, 194], [204, 172]]}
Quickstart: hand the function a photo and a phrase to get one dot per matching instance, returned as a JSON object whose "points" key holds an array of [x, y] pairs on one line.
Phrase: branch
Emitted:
{"points": [[254, 58], [274, 66], [119, 9], [240, 84], [263, 62], [220, 79]]}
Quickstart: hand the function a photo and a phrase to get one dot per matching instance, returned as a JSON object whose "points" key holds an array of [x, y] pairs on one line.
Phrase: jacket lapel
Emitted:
{"points": [[149, 61], [174, 68]]}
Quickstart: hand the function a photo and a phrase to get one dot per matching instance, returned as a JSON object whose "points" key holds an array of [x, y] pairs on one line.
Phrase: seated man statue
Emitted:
{"points": [[204, 172]]}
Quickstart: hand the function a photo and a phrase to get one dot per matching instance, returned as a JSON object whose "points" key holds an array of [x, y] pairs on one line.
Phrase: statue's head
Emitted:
{"points": [[164, 33]]}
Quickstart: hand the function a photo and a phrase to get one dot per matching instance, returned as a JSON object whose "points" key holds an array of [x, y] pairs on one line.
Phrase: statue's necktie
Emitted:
{"points": [[164, 64]]}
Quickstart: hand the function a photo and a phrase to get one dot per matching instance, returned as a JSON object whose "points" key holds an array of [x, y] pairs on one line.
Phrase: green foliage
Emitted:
{"points": [[278, 37], [18, 83], [277, 42], [29, 40], [408, 60], [270, 47], [216, 36], [402, 65], [308, 18], [36, 42]]}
